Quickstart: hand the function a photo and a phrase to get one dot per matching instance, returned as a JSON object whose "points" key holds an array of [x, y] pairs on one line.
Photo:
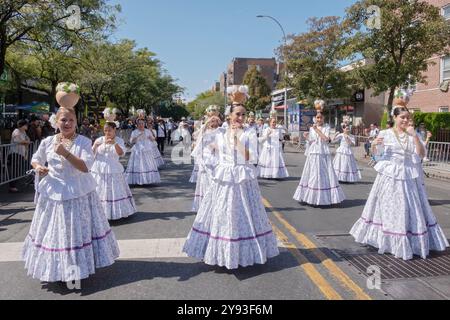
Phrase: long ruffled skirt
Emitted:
{"points": [[142, 169], [271, 164], [68, 240], [231, 228], [319, 185], [398, 219], [346, 168], [115, 195]]}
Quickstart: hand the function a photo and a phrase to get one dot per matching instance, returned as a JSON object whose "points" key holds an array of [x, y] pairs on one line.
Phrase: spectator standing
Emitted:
{"points": [[161, 134], [18, 157]]}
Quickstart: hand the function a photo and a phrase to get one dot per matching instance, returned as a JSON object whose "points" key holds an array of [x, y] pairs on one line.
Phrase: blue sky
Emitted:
{"points": [[196, 39]]}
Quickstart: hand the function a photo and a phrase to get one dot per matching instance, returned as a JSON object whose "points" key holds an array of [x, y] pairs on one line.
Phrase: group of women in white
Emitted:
{"points": [[82, 186]]}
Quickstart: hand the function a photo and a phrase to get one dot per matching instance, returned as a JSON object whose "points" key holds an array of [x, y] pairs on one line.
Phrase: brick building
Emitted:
{"points": [[239, 66], [435, 96]]}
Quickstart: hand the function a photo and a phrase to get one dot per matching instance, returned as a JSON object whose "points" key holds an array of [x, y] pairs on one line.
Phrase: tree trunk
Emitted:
{"points": [[53, 97], [2, 48], [390, 102]]}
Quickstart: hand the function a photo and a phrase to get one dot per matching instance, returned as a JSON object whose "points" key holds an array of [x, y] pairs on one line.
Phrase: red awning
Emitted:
{"points": [[280, 108]]}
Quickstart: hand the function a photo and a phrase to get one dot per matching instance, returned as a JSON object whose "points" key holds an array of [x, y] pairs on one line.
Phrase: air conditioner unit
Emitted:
{"points": [[445, 86]]}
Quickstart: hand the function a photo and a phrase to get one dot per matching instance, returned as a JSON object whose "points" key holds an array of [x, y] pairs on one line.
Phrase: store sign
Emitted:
{"points": [[359, 96]]}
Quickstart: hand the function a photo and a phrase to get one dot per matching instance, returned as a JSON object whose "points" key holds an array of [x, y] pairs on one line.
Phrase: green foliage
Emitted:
{"points": [[313, 60], [384, 120], [197, 107], [433, 121], [259, 90], [397, 54], [174, 111]]}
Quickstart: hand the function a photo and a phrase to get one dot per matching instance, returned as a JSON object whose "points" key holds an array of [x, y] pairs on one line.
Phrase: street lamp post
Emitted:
{"points": [[285, 67]]}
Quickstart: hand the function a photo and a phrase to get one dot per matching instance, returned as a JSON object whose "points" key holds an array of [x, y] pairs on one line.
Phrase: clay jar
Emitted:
{"points": [[67, 100]]}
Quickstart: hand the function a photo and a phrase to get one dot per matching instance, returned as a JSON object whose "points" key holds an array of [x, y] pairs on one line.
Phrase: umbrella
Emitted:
{"points": [[35, 107]]}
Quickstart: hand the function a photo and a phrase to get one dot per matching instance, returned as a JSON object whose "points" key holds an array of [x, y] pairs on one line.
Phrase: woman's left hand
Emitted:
{"points": [[411, 131], [60, 150]]}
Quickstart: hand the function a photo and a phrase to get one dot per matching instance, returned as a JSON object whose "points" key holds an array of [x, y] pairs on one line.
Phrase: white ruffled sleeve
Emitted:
{"points": [[121, 144], [252, 146], [86, 153], [40, 156]]}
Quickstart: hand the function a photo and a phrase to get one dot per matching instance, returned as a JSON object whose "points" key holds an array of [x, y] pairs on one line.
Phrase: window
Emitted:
{"points": [[258, 67], [446, 68], [443, 109], [446, 12]]}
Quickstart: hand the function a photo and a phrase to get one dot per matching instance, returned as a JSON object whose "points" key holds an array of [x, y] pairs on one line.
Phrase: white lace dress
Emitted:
{"points": [[155, 151], [231, 228], [271, 163], [69, 236], [142, 168], [206, 160], [319, 184], [344, 162], [397, 217], [112, 187]]}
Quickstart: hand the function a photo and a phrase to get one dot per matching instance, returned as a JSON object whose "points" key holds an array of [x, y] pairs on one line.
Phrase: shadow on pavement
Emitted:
{"points": [[125, 272], [146, 216]]}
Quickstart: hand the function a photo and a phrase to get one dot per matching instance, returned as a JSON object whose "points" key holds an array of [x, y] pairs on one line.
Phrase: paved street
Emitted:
{"points": [[318, 259]]}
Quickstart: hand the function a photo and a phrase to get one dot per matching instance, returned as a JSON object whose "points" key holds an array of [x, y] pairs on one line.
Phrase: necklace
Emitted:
{"points": [[402, 139], [67, 143]]}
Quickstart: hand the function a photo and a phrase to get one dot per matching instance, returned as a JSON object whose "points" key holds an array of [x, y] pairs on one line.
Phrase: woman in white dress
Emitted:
{"points": [[154, 145], [69, 236], [397, 217], [205, 159], [231, 228], [271, 163], [142, 168], [112, 187], [344, 162], [319, 185]]}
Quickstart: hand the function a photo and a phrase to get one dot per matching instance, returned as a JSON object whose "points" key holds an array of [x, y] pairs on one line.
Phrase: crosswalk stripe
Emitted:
{"points": [[129, 249]]}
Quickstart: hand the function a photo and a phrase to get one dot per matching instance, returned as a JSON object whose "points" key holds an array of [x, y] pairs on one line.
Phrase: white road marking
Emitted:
{"points": [[129, 249]]}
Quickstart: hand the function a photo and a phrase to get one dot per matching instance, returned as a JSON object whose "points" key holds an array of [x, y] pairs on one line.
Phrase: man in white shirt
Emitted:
{"points": [[161, 134], [170, 126]]}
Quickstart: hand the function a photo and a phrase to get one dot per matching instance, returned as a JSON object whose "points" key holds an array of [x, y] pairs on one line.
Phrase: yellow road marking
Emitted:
{"points": [[334, 270], [310, 270]]}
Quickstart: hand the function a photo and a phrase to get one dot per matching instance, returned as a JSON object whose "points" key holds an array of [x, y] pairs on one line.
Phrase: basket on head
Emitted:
{"points": [[238, 94], [67, 94]]}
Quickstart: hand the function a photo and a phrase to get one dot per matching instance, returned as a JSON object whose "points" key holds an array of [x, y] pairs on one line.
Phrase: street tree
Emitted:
{"points": [[398, 45], [21, 19], [258, 88], [314, 59]]}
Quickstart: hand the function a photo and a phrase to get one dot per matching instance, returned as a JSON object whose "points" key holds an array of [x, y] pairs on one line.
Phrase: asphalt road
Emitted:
{"points": [[314, 263]]}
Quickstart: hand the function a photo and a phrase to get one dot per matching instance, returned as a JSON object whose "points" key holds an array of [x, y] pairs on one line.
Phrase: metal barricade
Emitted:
{"points": [[438, 156], [15, 161]]}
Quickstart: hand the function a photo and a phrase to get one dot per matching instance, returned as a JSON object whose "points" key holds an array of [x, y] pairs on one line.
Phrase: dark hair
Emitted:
{"points": [[112, 125], [390, 123], [399, 110], [235, 106], [22, 123]]}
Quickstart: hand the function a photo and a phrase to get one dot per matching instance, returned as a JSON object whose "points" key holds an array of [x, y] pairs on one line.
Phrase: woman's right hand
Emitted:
{"points": [[305, 135], [42, 171], [378, 141]]}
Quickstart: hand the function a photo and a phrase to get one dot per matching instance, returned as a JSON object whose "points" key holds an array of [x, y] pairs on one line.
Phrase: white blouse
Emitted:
{"points": [[316, 144], [232, 166], [398, 159], [106, 158], [344, 147], [141, 140], [271, 137], [64, 181], [204, 152]]}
